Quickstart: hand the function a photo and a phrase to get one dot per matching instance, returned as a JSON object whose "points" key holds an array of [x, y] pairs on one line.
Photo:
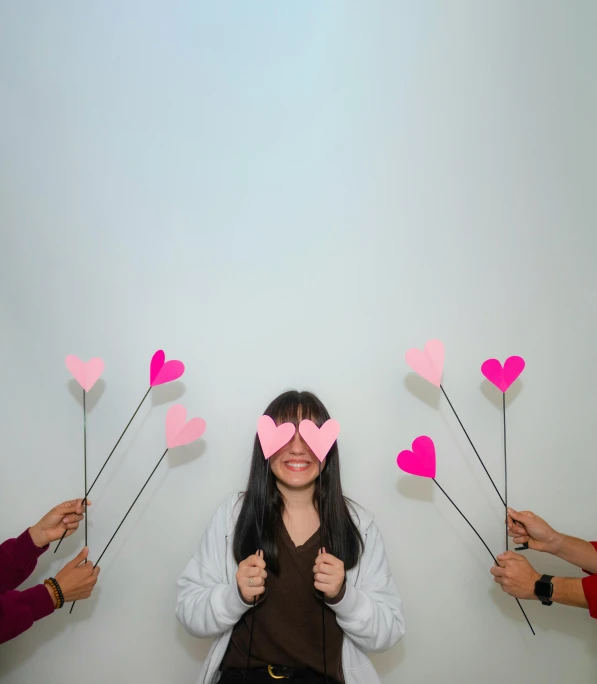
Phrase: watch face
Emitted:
{"points": [[544, 589]]}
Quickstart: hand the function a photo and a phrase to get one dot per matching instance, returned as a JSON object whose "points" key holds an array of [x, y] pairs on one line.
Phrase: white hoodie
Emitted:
{"points": [[209, 603]]}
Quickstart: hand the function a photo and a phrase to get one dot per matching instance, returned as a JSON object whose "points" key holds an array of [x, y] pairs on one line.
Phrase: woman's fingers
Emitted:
{"points": [[255, 572], [323, 579], [255, 581], [253, 561], [325, 569]]}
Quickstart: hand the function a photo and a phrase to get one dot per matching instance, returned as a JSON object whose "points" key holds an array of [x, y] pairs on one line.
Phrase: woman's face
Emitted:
{"points": [[295, 465]]}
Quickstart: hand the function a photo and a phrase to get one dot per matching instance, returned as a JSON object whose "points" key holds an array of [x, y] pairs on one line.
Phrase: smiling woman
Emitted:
{"points": [[339, 595], [291, 493]]}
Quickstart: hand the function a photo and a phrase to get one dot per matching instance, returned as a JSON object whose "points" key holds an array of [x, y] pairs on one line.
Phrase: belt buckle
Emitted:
{"points": [[270, 672]]}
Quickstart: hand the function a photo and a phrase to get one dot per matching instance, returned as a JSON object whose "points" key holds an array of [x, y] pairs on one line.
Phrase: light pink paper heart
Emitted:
{"points": [[273, 437], [320, 440], [503, 376], [421, 460], [86, 374], [178, 430], [162, 371], [429, 363]]}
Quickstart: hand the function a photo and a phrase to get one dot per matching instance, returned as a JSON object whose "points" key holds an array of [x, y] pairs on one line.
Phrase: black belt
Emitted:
{"points": [[282, 672], [274, 672]]}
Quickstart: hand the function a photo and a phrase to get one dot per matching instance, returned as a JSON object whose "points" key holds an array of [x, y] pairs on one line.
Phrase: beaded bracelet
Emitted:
{"points": [[56, 598], [58, 590]]}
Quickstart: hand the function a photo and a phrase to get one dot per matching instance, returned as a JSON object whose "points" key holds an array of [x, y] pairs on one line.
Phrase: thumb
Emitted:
{"points": [[79, 558], [520, 516]]}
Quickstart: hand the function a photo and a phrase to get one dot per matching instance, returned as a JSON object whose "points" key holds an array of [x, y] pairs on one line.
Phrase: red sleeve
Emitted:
{"points": [[18, 558], [589, 585], [20, 609]]}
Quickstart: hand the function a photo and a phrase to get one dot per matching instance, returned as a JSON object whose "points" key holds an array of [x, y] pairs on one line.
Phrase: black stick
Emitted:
{"points": [[260, 539], [264, 504], [125, 517], [525, 545], [484, 544], [129, 510], [85, 459], [505, 469], [325, 662], [467, 520], [471, 443], [250, 639], [109, 456]]}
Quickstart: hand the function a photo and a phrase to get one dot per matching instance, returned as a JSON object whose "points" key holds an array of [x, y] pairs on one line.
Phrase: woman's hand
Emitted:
{"points": [[251, 576], [62, 518], [329, 574], [78, 578]]}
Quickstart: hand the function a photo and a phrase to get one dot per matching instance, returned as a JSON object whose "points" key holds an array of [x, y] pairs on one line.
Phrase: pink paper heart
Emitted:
{"points": [[421, 460], [503, 377], [320, 440], [162, 371], [429, 363], [178, 430], [86, 374], [273, 437]]}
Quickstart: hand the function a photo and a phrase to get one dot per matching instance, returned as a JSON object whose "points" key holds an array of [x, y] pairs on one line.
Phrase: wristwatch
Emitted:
{"points": [[544, 589]]}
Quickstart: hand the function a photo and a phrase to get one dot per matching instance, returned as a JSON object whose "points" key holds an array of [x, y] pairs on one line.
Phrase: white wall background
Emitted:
{"points": [[291, 195]]}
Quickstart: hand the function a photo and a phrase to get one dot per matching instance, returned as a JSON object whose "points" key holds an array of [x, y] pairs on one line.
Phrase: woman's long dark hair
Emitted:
{"points": [[340, 534]]}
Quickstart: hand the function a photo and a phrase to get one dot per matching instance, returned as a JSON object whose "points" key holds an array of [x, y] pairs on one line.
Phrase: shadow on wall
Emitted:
{"points": [[389, 661], [14, 653], [423, 390], [574, 622], [93, 396], [196, 648], [494, 395]]}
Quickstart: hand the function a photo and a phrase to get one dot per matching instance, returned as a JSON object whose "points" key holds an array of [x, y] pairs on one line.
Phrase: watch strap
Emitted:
{"points": [[544, 598]]}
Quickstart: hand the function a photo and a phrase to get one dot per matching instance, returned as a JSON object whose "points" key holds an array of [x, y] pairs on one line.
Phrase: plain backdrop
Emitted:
{"points": [[292, 194]]}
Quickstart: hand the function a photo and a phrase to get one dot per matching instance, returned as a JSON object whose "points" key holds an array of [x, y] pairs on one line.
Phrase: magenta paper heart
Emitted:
{"points": [[429, 364], [320, 440], [162, 371], [503, 377], [178, 430], [86, 374], [421, 460], [273, 437]]}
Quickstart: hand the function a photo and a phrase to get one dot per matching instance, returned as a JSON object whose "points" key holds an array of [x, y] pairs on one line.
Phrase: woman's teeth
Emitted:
{"points": [[297, 466]]}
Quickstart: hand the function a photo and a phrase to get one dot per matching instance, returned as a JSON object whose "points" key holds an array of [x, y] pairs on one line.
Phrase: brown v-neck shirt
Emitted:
{"points": [[288, 629]]}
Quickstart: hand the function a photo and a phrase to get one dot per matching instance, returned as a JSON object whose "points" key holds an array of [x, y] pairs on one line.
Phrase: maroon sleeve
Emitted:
{"points": [[589, 585], [18, 558], [20, 609]]}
